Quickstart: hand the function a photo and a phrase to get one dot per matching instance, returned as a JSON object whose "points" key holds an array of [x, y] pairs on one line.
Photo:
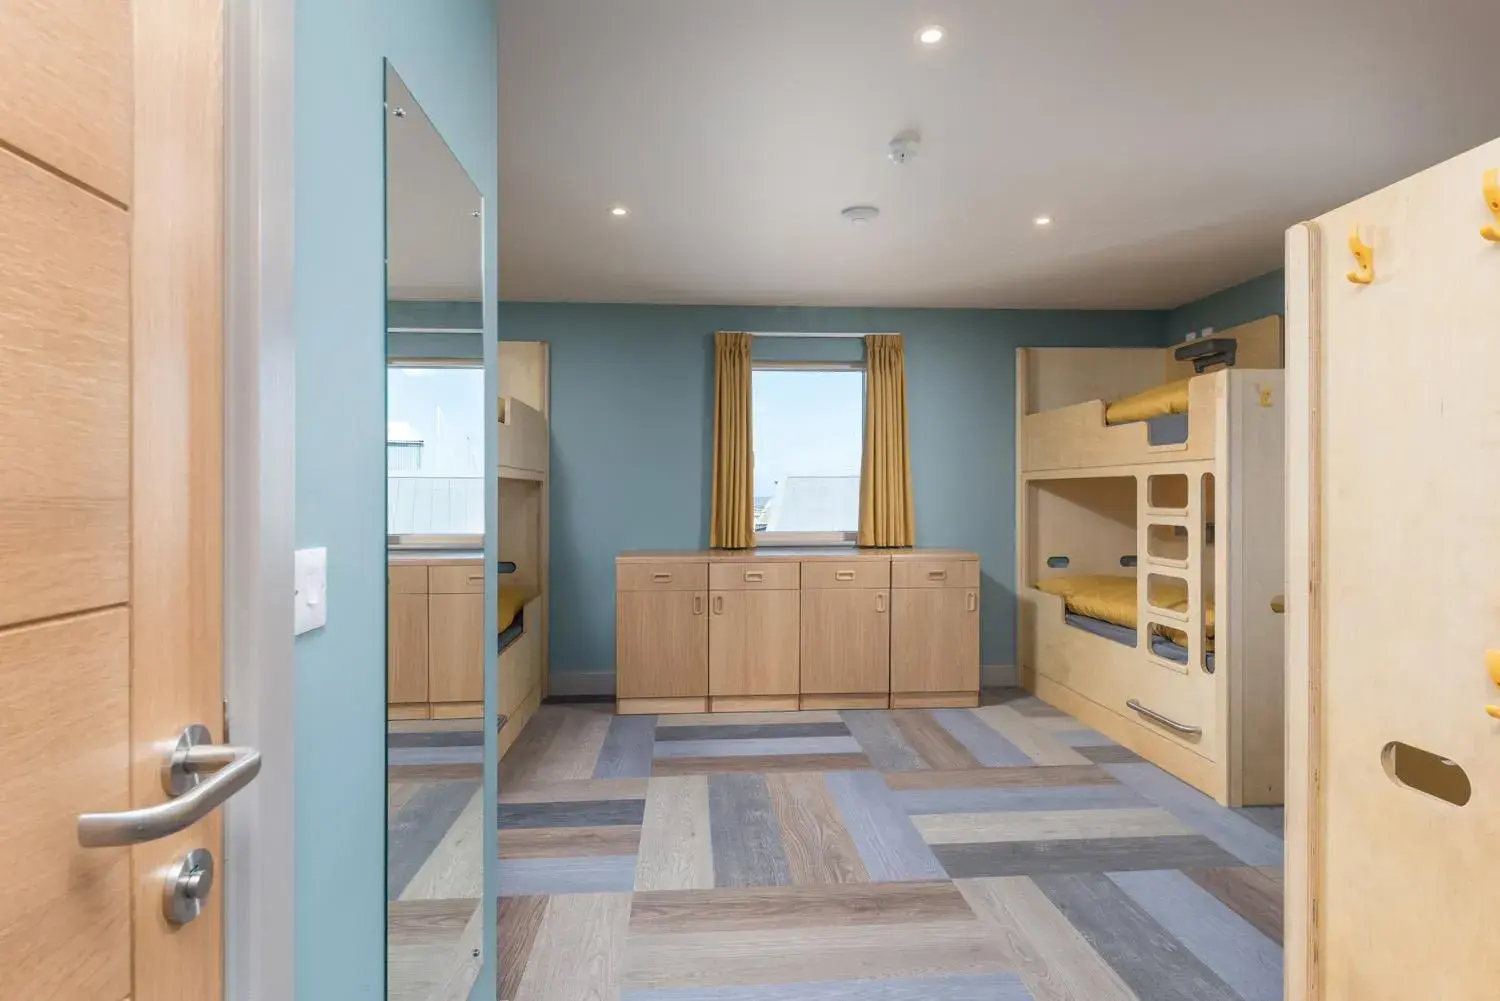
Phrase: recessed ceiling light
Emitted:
{"points": [[930, 35], [1043, 220], [619, 210], [861, 213]]}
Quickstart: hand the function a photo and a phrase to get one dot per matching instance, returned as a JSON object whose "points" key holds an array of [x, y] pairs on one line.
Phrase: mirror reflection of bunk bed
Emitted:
{"points": [[522, 547], [1150, 549]]}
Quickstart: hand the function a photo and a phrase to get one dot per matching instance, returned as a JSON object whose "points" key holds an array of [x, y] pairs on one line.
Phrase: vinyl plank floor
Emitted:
{"points": [[1069, 732], [626, 752], [988, 746], [964, 987], [818, 848], [455, 867], [1150, 961], [457, 772], [573, 792], [888, 844], [1002, 778], [1269, 818], [581, 813], [990, 800], [559, 876], [441, 754], [1242, 838], [747, 719], [1028, 858], [676, 851], [1251, 893], [1051, 955], [417, 829], [574, 750], [1111, 754], [1223, 941], [753, 731], [760, 764], [436, 738], [777, 908], [940, 749], [1040, 746], [519, 919], [747, 847], [579, 949], [523, 761], [881, 741], [1024, 825], [568, 842], [755, 747]]}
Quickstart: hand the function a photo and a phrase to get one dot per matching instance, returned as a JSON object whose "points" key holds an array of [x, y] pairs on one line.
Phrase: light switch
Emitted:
{"points": [[310, 601]]}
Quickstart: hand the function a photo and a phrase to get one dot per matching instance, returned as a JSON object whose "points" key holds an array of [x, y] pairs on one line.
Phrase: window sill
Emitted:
{"points": [[772, 540]]}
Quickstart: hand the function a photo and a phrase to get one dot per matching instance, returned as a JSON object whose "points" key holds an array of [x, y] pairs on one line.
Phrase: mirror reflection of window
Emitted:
{"points": [[434, 451]]}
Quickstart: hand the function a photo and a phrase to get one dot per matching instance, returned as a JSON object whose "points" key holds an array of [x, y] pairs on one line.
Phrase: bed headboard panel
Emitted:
{"points": [[1258, 344], [1050, 378], [520, 540]]}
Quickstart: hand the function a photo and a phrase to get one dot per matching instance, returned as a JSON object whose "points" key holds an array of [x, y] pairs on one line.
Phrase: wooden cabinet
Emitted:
{"points": [[455, 653], [406, 651], [435, 637], [662, 647], [846, 642], [720, 631], [753, 646]]}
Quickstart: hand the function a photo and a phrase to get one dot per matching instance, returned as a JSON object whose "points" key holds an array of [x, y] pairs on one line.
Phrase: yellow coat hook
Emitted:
{"points": [[1492, 664], [1364, 256], [1492, 199]]}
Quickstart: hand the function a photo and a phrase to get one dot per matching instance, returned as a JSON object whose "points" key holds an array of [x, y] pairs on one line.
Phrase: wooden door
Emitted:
{"points": [[662, 644], [935, 639], [1394, 596], [110, 482], [753, 644], [846, 641], [455, 645]]}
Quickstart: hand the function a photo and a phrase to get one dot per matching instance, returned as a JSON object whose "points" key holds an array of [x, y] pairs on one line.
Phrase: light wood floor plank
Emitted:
{"points": [[579, 949], [818, 847], [1035, 742], [591, 790], [455, 869], [752, 719], [778, 908], [676, 852], [574, 750], [568, 842]]}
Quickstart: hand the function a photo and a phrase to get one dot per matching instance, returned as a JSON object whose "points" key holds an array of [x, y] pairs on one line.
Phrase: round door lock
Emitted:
{"points": [[188, 883]]}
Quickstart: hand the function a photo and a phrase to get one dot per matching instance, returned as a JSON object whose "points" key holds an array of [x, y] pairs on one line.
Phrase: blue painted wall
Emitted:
{"points": [[1250, 300], [446, 53], [432, 329], [632, 392]]}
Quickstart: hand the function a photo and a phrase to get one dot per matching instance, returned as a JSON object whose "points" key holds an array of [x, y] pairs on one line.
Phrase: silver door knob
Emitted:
{"points": [[188, 883]]}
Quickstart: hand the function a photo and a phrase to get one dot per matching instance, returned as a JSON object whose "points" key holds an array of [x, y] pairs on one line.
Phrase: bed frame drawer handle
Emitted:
{"points": [[1169, 723], [843, 575], [661, 578]]}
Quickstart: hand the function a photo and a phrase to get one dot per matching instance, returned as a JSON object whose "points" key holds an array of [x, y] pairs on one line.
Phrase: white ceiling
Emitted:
{"points": [[1173, 141], [434, 242]]}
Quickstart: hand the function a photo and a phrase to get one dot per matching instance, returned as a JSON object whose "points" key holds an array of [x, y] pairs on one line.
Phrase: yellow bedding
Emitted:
{"points": [[512, 599], [1157, 401], [1111, 597]]}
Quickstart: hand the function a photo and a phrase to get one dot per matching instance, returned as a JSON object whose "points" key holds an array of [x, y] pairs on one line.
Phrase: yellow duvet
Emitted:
{"points": [[512, 598], [1157, 401], [1111, 597]]}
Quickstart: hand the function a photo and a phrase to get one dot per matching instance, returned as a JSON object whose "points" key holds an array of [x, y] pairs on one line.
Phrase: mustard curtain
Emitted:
{"points": [[886, 515], [732, 519]]}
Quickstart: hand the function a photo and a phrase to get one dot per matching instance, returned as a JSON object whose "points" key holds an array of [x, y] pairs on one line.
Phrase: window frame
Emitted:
{"points": [[844, 540], [428, 541]]}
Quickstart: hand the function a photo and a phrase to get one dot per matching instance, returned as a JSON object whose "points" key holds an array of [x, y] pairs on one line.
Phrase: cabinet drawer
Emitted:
{"points": [[846, 573], [935, 573], [408, 579], [661, 576], [456, 580], [754, 576]]}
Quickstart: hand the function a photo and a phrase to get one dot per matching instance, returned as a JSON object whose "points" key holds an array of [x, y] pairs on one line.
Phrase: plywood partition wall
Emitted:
{"points": [[1258, 344], [1049, 378], [1089, 522], [1393, 599], [525, 375]]}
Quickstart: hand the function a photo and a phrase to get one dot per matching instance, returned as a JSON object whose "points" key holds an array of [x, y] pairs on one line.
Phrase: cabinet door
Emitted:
{"points": [[661, 644], [406, 649], [935, 639], [846, 641], [752, 642], [455, 647]]}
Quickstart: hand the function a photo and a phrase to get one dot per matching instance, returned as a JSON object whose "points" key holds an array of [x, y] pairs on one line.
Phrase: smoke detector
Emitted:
{"points": [[861, 213], [903, 148]]}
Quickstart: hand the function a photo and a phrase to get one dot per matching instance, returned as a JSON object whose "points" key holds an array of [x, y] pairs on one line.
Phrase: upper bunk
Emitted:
{"points": [[1092, 408], [524, 434]]}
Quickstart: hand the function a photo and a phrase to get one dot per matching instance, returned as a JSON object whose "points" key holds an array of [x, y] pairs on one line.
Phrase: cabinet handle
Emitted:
{"points": [[755, 575], [973, 602], [843, 575], [718, 604], [879, 601], [476, 578], [697, 604], [937, 575], [661, 577]]}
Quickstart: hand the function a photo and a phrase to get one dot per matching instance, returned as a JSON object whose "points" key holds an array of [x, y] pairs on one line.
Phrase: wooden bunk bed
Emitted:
{"points": [[1149, 555], [524, 446]]}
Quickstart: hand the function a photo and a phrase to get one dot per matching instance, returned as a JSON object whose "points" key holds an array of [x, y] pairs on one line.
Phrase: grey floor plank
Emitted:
{"points": [[882, 743], [437, 738], [1150, 961], [961, 987], [888, 843], [1226, 943], [755, 746], [585, 813], [988, 746], [436, 755], [1240, 837], [582, 874], [1084, 737], [1268, 818], [415, 830], [747, 848], [626, 753], [989, 800], [752, 731], [1110, 754], [1025, 858]]}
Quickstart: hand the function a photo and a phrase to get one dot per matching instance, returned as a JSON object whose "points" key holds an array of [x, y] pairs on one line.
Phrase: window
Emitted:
{"points": [[434, 451], [807, 423]]}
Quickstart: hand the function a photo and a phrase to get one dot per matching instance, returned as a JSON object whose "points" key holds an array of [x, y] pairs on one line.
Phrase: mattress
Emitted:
{"points": [[1112, 598], [1160, 645], [1171, 398], [512, 598]]}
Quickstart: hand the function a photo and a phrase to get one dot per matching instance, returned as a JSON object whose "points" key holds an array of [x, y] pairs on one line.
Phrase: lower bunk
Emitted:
{"points": [[1209, 725], [519, 665]]}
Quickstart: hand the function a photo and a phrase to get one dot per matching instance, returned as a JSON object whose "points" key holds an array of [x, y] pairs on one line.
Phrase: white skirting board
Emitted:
{"points": [[572, 684]]}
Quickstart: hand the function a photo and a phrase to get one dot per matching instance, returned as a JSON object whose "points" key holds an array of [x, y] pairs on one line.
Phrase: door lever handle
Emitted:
{"points": [[194, 797]]}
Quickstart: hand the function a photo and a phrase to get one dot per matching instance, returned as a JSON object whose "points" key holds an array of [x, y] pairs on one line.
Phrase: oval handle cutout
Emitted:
{"points": [[1432, 774], [1057, 562]]}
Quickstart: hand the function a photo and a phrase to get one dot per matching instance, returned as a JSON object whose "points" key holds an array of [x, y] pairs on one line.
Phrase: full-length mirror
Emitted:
{"points": [[435, 523]]}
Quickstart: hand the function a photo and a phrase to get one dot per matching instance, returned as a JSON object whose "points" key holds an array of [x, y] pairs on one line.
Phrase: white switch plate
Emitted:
{"points": [[310, 570]]}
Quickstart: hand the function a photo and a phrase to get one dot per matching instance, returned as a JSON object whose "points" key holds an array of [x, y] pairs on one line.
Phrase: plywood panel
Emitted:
{"points": [[64, 750], [64, 393], [65, 88], [520, 531]]}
